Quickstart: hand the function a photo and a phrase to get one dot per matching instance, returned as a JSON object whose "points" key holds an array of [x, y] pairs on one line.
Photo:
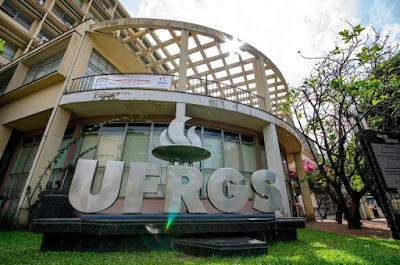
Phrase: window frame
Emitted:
{"points": [[95, 60], [39, 69], [11, 9], [62, 15]]}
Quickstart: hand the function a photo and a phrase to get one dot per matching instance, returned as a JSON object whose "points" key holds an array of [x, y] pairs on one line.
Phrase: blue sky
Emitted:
{"points": [[379, 13], [278, 28]]}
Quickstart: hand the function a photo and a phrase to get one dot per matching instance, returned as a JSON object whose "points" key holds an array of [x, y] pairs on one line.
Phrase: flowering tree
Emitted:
{"points": [[317, 185], [325, 103]]}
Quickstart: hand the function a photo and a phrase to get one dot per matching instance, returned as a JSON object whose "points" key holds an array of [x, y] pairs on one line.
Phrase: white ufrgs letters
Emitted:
{"points": [[235, 196], [80, 196], [176, 191], [268, 198], [223, 190], [137, 185]]}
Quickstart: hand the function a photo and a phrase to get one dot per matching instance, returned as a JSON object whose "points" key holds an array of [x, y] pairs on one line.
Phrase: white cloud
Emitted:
{"points": [[277, 28], [393, 31]]}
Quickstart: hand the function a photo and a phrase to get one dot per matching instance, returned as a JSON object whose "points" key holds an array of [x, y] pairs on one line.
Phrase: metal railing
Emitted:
{"points": [[194, 85]]}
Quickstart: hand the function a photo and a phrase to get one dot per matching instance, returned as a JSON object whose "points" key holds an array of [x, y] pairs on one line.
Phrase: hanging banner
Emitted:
{"points": [[132, 81]]}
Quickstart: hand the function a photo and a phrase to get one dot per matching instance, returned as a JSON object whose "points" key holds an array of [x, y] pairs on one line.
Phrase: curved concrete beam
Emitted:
{"points": [[235, 111]]}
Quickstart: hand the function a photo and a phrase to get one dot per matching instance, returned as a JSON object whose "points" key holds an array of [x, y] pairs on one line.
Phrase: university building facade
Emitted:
{"points": [[78, 68]]}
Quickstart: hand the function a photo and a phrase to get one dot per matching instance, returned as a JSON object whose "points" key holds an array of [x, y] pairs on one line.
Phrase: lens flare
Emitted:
{"points": [[171, 217]]}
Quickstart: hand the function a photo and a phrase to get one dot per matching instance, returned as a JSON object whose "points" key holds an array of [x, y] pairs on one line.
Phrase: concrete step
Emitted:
{"points": [[226, 246]]}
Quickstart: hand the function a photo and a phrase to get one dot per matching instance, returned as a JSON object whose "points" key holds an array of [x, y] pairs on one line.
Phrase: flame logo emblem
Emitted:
{"points": [[175, 135]]}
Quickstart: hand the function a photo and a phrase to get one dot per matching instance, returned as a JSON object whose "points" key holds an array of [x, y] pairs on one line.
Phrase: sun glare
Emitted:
{"points": [[233, 46]]}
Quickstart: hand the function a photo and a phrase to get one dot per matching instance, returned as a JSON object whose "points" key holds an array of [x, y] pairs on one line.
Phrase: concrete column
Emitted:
{"points": [[275, 164], [85, 8], [180, 110], [52, 136], [48, 5], [304, 187], [183, 60], [364, 211], [113, 9], [261, 82], [5, 134], [35, 29], [51, 143]]}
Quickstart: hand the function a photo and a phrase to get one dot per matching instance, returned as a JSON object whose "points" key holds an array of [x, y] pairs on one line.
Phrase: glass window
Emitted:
{"points": [[136, 143], [105, 6], [248, 153], [111, 142], [99, 65], [232, 150], [45, 35], [43, 68], [213, 143], [9, 50], [26, 155], [155, 142], [31, 157], [5, 78], [197, 131], [109, 148], [87, 147], [92, 15], [16, 13], [16, 181], [263, 154], [58, 166], [21, 159], [65, 142], [78, 2], [62, 15], [3, 87], [97, 180]]}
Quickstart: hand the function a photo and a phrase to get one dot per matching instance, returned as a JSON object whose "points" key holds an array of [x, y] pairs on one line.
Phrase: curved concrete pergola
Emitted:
{"points": [[191, 50]]}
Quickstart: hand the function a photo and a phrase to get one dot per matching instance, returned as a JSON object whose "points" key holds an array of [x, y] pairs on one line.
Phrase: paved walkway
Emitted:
{"points": [[377, 228]]}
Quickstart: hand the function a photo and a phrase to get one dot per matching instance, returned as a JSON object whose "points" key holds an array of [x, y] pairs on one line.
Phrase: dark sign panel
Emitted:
{"points": [[386, 151], [382, 151], [388, 159]]}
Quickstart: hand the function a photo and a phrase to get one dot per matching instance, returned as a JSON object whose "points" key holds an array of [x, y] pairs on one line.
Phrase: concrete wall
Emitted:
{"points": [[39, 101], [125, 61]]}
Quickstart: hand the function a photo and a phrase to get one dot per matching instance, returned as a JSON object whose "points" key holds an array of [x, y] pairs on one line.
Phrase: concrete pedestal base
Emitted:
{"points": [[143, 232]]}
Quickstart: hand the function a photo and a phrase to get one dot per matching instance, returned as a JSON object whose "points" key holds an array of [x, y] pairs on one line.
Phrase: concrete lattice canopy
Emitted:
{"points": [[157, 45]]}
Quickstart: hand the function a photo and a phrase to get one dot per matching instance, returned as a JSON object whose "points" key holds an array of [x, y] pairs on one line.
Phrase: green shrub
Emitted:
{"points": [[8, 219]]}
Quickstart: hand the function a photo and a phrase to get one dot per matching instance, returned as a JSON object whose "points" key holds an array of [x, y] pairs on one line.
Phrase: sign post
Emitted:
{"points": [[382, 152]]}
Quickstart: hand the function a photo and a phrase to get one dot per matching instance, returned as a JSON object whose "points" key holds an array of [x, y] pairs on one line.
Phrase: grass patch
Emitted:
{"points": [[313, 247]]}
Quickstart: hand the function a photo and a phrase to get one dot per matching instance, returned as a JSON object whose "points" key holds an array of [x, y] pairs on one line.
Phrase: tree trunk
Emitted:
{"points": [[353, 216], [339, 214], [326, 208]]}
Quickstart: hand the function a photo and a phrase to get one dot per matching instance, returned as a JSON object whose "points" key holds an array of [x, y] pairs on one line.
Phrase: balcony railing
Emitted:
{"points": [[194, 86]]}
